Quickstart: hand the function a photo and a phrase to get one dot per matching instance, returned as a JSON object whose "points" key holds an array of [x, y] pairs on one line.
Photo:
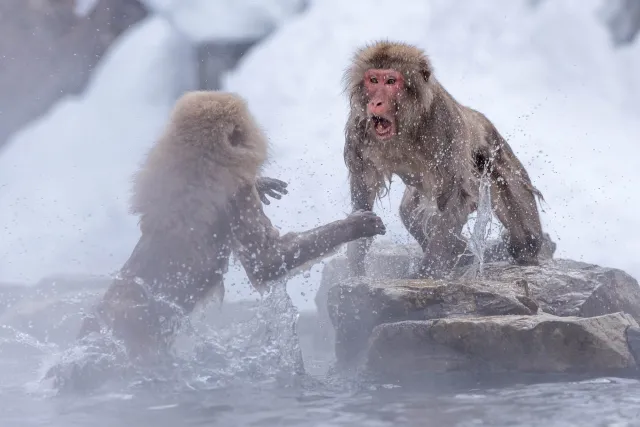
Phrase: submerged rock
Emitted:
{"points": [[530, 344], [51, 310]]}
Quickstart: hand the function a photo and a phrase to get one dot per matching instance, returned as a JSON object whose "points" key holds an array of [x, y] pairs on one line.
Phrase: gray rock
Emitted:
{"points": [[389, 260], [358, 305], [385, 260], [562, 288], [218, 57], [499, 344], [52, 309], [622, 18], [570, 288], [48, 51]]}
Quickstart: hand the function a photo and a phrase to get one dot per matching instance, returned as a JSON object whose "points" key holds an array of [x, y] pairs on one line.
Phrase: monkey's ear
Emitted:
{"points": [[236, 137], [426, 73], [425, 69]]}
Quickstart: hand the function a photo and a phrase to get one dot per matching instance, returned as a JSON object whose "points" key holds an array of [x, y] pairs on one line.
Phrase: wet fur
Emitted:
{"points": [[441, 150], [190, 175], [197, 200], [209, 150]]}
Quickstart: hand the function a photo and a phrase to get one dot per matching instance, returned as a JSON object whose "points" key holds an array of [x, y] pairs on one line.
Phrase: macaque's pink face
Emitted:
{"points": [[383, 90]]}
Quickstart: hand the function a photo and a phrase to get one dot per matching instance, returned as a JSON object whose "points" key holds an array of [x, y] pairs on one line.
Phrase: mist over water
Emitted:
{"points": [[255, 372], [261, 348]]}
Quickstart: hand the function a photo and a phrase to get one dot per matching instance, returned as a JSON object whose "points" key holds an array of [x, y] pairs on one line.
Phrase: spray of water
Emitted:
{"points": [[482, 227], [265, 347]]}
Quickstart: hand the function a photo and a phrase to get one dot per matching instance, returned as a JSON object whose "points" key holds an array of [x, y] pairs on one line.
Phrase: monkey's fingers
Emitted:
{"points": [[272, 193], [274, 184], [263, 198]]}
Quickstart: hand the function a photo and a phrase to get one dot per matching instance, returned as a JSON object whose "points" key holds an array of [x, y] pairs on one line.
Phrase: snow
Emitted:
{"points": [[205, 20], [64, 181], [548, 77], [85, 7]]}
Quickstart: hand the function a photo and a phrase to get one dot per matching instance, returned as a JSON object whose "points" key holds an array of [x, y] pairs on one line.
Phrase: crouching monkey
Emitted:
{"points": [[199, 198]]}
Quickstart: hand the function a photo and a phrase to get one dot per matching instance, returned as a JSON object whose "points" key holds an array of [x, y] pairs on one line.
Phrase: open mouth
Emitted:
{"points": [[382, 126]]}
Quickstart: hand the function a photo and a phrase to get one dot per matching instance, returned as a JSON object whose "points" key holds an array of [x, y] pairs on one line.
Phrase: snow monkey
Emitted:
{"points": [[198, 199], [403, 122]]}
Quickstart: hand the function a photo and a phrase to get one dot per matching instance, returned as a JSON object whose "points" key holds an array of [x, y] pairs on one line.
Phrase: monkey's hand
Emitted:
{"points": [[270, 187], [367, 223]]}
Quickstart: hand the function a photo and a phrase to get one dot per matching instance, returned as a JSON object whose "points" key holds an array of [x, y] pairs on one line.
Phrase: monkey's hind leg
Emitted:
{"points": [[444, 244], [517, 211], [415, 211]]}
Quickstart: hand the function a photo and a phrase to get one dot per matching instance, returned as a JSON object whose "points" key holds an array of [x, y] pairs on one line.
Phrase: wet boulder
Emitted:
{"points": [[51, 310], [358, 305], [49, 49], [500, 344], [571, 288], [505, 298], [387, 260]]}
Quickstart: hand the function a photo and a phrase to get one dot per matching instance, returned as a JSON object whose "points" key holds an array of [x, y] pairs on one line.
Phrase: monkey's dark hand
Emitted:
{"points": [[270, 187], [368, 224]]}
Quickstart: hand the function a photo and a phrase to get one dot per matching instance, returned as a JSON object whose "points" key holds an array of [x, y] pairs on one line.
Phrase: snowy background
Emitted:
{"points": [[549, 77]]}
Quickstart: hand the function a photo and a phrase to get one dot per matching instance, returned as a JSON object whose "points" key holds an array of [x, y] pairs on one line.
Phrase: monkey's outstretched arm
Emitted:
{"points": [[364, 184], [266, 255]]}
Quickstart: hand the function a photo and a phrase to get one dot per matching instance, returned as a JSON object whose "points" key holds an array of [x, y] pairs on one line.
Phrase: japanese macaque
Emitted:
{"points": [[199, 198], [403, 122]]}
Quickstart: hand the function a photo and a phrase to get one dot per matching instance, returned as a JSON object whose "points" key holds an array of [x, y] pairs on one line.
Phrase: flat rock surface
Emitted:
{"points": [[360, 304], [529, 344], [558, 287], [388, 260], [570, 288]]}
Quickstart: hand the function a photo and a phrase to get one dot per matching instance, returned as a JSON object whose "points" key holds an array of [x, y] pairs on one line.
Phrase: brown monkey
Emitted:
{"points": [[403, 122], [199, 199]]}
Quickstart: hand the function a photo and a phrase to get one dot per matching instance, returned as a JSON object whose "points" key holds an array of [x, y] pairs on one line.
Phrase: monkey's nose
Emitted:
{"points": [[377, 107]]}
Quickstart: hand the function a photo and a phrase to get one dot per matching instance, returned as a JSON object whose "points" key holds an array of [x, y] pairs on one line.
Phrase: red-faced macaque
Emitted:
{"points": [[403, 122]]}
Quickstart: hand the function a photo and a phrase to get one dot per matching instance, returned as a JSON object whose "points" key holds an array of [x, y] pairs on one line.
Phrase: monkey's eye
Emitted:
{"points": [[373, 80], [236, 137], [391, 81]]}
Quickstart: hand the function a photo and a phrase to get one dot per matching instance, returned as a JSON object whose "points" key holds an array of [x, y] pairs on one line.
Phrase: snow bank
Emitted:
{"points": [[203, 20], [64, 181], [548, 77]]}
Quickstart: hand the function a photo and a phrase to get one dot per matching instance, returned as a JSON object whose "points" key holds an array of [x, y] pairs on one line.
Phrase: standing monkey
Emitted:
{"points": [[403, 122], [199, 199]]}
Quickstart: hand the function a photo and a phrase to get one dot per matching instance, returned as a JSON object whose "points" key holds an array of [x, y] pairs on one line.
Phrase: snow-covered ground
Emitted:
{"points": [[226, 19], [64, 181], [549, 79]]}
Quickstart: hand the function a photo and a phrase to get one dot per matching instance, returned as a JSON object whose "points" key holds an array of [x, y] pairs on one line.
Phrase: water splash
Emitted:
{"points": [[265, 347], [477, 243]]}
